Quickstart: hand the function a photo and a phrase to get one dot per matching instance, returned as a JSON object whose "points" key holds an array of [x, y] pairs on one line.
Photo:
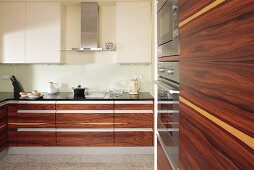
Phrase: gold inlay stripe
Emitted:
{"points": [[26, 124], [202, 11], [248, 140], [2, 126], [102, 123]]}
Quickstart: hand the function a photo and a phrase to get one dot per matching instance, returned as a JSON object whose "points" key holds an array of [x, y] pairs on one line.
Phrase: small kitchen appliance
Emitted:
{"points": [[134, 86], [52, 88], [79, 91]]}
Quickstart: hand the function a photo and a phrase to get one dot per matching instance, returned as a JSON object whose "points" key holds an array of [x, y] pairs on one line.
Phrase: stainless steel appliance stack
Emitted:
{"points": [[168, 80]]}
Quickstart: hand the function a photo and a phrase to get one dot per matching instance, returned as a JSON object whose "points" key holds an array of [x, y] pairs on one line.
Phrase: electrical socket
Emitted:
{"points": [[5, 77], [139, 77]]}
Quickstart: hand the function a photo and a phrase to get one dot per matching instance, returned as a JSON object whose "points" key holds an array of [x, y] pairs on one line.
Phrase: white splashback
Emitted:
{"points": [[96, 77]]}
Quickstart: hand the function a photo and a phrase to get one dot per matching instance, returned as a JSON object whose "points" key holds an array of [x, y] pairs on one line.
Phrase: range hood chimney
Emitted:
{"points": [[89, 27]]}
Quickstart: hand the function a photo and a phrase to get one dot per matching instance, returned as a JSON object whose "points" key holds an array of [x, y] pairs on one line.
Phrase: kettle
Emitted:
{"points": [[134, 86], [52, 88]]}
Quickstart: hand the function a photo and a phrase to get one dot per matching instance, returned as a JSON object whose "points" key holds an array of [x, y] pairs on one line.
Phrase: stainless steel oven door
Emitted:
{"points": [[168, 121]]}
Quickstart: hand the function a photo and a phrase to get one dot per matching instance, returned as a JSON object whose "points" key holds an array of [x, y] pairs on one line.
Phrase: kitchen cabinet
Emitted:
{"points": [[3, 128], [80, 123], [12, 32], [43, 32], [36, 36], [133, 123], [12, 125], [35, 123], [133, 32], [85, 123]]}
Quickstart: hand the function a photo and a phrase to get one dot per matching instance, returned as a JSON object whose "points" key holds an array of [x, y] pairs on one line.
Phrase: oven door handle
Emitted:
{"points": [[166, 87]]}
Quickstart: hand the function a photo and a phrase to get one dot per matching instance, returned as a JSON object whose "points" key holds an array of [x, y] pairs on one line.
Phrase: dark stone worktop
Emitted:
{"points": [[69, 96]]}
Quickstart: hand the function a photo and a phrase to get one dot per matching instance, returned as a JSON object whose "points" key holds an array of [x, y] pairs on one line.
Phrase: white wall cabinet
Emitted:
{"points": [[133, 32], [39, 26], [43, 32], [12, 32]]}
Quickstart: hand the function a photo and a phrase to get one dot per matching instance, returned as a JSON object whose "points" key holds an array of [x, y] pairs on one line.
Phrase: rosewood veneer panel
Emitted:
{"points": [[216, 63], [133, 138], [205, 145], [134, 120], [29, 138], [85, 139], [36, 120], [216, 66], [36, 106], [84, 106], [189, 7], [133, 106], [84, 120]]}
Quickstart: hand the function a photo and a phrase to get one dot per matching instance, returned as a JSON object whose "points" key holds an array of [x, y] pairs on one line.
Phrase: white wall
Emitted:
{"points": [[97, 77]]}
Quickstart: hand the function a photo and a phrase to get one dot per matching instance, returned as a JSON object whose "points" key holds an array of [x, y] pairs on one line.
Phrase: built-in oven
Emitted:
{"points": [[168, 110], [167, 28]]}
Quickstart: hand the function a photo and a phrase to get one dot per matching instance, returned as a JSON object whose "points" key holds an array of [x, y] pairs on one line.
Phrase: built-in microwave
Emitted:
{"points": [[167, 28]]}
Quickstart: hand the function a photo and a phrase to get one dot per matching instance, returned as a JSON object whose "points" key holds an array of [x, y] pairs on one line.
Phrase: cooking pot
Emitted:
{"points": [[79, 91]]}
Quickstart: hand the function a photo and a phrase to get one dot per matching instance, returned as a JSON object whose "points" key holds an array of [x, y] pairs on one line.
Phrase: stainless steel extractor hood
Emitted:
{"points": [[89, 27]]}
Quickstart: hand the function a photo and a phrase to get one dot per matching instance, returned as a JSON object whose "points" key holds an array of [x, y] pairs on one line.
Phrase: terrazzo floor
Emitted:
{"points": [[76, 162]]}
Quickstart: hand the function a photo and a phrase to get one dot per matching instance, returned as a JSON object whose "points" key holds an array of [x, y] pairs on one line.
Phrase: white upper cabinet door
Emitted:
{"points": [[43, 32], [12, 32], [133, 32]]}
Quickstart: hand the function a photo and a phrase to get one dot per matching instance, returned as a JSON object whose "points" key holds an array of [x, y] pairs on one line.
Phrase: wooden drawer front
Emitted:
{"points": [[41, 119], [163, 162], [38, 137], [3, 137], [12, 138], [85, 138], [134, 120], [84, 120], [85, 105], [36, 106], [133, 138], [133, 105], [12, 116]]}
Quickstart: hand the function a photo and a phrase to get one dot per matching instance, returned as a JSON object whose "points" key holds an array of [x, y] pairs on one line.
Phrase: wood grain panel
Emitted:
{"points": [[204, 144], [133, 106], [133, 138], [134, 120], [101, 120], [162, 160], [37, 120], [216, 66], [189, 7], [3, 128], [84, 106], [221, 75], [27, 138], [36, 106], [12, 137], [85, 139]]}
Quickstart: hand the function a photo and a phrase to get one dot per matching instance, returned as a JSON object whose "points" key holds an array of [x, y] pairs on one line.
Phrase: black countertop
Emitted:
{"points": [[69, 96]]}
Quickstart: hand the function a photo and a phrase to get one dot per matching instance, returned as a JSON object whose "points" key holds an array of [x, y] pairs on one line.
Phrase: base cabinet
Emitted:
{"points": [[3, 128], [133, 138], [85, 138], [81, 123], [37, 137]]}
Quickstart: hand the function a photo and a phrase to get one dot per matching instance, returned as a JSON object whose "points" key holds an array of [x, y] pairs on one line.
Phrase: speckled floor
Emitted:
{"points": [[76, 162]]}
